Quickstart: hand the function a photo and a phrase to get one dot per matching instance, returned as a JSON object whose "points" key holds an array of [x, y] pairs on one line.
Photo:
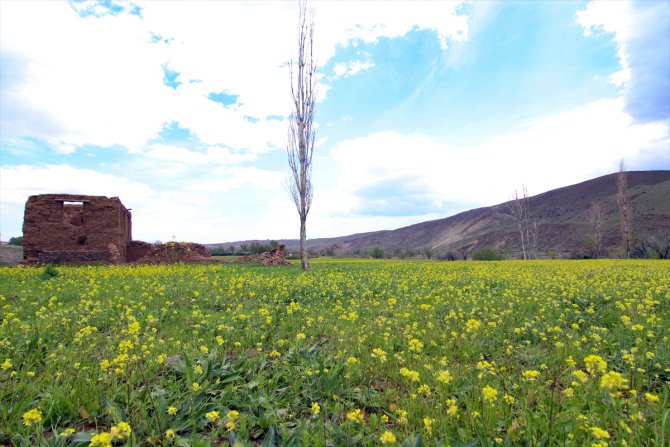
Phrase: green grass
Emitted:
{"points": [[428, 353]]}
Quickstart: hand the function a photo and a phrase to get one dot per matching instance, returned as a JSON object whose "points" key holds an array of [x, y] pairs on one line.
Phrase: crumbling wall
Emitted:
{"points": [[136, 250], [75, 228], [276, 256]]}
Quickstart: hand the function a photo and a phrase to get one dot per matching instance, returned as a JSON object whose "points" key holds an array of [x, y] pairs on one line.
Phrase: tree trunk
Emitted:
{"points": [[523, 245], [303, 242], [624, 212]]}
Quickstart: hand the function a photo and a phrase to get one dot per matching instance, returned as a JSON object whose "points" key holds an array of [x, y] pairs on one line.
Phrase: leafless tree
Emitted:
{"points": [[595, 217], [519, 208], [624, 211], [652, 246], [300, 145]]}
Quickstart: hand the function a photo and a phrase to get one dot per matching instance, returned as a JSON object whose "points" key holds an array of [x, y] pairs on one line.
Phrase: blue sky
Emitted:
{"points": [[425, 108]]}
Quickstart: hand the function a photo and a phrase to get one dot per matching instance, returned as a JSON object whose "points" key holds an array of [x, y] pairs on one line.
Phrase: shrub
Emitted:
{"points": [[486, 254], [377, 252], [18, 240]]}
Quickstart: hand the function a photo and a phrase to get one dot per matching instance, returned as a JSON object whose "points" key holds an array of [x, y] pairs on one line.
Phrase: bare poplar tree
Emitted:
{"points": [[595, 217], [624, 211], [300, 145], [518, 207]]}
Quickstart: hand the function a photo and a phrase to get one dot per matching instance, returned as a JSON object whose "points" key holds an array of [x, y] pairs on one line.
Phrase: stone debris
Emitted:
{"points": [[276, 256], [172, 252]]}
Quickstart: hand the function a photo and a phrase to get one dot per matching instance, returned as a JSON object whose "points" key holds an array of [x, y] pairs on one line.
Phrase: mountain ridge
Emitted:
{"points": [[560, 213]]}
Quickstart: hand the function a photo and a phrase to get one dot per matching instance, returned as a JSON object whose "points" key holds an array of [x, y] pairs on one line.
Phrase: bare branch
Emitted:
{"points": [[594, 215]]}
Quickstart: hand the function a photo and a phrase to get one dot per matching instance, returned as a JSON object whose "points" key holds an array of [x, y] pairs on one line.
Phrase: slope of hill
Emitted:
{"points": [[562, 226]]}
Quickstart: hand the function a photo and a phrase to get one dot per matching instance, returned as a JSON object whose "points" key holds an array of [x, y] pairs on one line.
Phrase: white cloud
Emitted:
{"points": [[641, 32], [615, 18], [544, 153], [99, 80], [341, 23], [351, 68]]}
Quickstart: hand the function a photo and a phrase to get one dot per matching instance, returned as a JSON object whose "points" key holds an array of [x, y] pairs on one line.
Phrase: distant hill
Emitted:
{"points": [[560, 213]]}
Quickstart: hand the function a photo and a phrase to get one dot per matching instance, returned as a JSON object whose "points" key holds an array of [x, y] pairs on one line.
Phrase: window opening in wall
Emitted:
{"points": [[73, 212]]}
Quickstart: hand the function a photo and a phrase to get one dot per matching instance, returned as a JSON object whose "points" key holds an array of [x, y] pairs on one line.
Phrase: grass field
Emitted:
{"points": [[567, 353]]}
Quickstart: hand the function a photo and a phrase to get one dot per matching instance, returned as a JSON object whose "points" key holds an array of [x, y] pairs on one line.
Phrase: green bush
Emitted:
{"points": [[486, 254], [377, 252], [18, 240]]}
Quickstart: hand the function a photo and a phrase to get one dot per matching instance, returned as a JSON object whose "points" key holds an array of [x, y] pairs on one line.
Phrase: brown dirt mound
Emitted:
{"points": [[172, 252]]}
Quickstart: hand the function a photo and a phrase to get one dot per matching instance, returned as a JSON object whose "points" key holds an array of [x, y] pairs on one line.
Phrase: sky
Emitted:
{"points": [[424, 110]]}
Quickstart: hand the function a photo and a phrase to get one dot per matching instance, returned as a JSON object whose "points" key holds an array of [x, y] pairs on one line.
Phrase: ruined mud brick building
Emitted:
{"points": [[75, 228], [69, 228]]}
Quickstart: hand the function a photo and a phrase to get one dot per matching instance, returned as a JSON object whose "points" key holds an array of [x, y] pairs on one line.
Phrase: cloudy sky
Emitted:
{"points": [[180, 108]]}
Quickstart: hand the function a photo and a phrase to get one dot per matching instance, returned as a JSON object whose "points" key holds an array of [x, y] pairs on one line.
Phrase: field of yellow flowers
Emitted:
{"points": [[568, 353]]}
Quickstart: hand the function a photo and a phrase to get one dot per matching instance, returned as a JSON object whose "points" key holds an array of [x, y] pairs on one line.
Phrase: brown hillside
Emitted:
{"points": [[561, 215]]}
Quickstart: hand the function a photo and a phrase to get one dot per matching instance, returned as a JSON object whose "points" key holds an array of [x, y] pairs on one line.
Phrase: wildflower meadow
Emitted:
{"points": [[366, 352]]}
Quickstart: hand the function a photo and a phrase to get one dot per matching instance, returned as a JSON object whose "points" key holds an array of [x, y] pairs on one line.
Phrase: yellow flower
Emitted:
{"points": [[196, 386], [530, 375], [300, 336], [599, 433], [402, 417], [316, 408], [355, 416], [452, 408], [169, 433], [444, 376], [67, 432], [232, 417], [7, 364], [595, 363], [31, 417], [413, 376], [380, 354], [120, 431], [352, 360], [472, 325], [651, 397], [424, 390], [415, 345], [613, 382], [172, 411], [387, 438], [103, 439], [212, 416], [490, 393], [134, 328], [204, 349], [428, 425], [580, 375]]}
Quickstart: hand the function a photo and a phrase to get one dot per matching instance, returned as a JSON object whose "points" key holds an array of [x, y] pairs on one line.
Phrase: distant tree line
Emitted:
{"points": [[255, 248], [18, 240]]}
